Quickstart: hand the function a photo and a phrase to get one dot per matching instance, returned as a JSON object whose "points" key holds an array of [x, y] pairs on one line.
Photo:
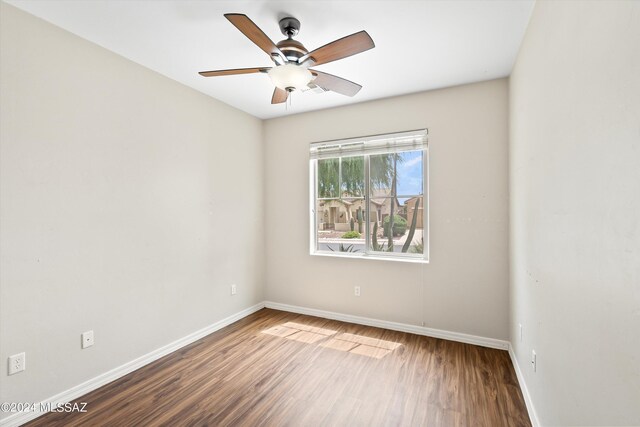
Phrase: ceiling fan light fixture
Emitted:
{"points": [[290, 76]]}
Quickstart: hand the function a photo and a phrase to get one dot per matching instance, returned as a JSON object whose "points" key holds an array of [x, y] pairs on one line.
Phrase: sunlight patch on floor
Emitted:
{"points": [[351, 343], [308, 328], [359, 344], [280, 331]]}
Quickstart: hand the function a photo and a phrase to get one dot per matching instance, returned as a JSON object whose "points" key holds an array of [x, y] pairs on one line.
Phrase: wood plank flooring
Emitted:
{"points": [[275, 368]]}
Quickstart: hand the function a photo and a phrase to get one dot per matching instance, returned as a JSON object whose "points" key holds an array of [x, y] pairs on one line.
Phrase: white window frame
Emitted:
{"points": [[374, 144]]}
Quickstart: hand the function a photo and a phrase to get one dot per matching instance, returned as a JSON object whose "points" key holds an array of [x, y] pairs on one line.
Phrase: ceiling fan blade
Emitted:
{"points": [[232, 72], [341, 48], [279, 96], [255, 34], [335, 83]]}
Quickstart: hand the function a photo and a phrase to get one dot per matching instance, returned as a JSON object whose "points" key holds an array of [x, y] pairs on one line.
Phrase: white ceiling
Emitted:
{"points": [[420, 45]]}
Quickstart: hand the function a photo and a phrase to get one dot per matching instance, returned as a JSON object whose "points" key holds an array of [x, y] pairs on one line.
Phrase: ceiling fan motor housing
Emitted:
{"points": [[292, 49]]}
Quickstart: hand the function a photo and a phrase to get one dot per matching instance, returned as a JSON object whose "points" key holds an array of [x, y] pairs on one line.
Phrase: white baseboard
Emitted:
{"points": [[20, 418], [533, 416], [394, 326]]}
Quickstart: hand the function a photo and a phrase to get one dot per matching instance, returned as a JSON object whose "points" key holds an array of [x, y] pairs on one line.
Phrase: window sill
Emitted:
{"points": [[411, 260]]}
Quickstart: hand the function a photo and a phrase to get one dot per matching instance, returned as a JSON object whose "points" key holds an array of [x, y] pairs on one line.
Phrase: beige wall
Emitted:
{"points": [[128, 204], [464, 288], [575, 211]]}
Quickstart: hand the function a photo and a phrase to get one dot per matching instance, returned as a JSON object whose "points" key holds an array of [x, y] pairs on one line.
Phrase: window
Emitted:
{"points": [[368, 197]]}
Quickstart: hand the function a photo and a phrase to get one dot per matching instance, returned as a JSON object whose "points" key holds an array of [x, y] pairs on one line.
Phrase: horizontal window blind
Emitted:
{"points": [[378, 144]]}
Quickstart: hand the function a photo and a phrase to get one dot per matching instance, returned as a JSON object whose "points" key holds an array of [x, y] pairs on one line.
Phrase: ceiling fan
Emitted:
{"points": [[292, 60]]}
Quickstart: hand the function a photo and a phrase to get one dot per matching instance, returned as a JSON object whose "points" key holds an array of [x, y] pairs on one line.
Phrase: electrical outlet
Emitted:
{"points": [[356, 291], [17, 363], [534, 360], [233, 289], [87, 339], [520, 326]]}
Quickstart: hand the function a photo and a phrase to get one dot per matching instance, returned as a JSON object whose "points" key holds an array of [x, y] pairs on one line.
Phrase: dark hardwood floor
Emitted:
{"points": [[276, 368]]}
